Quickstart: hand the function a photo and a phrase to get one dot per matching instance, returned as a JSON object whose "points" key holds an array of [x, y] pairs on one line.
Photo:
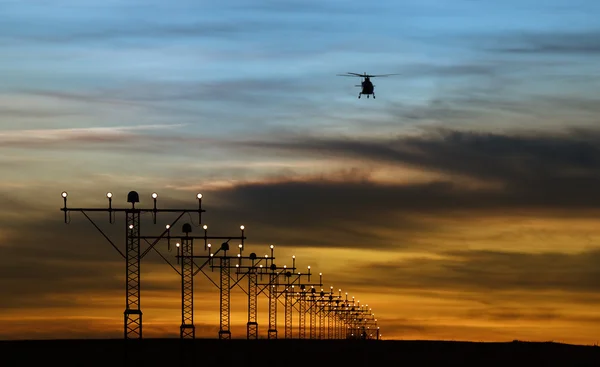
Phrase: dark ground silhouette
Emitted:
{"points": [[289, 353]]}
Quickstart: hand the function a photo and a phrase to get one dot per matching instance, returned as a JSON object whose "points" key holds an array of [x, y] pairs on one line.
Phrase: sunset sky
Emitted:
{"points": [[461, 204]]}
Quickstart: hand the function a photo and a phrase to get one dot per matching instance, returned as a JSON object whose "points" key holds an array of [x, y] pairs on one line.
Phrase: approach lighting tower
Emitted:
{"points": [[301, 300], [274, 272], [293, 299], [189, 269], [252, 271], [133, 254]]}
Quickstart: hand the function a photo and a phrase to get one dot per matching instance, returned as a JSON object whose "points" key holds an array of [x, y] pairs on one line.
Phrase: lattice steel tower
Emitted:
{"points": [[273, 292], [293, 299], [189, 269], [302, 312], [133, 314], [133, 311], [301, 300], [273, 283], [252, 271], [224, 293], [252, 324], [225, 263], [187, 330], [288, 301], [312, 313]]}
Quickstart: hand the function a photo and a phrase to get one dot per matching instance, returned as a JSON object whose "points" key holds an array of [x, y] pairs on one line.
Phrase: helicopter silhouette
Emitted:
{"points": [[367, 87]]}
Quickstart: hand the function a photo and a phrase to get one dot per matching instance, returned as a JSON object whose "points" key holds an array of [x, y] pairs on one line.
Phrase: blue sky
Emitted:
{"points": [[485, 143], [258, 65], [245, 68]]}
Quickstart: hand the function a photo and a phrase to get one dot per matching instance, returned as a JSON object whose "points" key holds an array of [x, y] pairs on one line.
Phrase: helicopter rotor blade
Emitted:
{"points": [[373, 76], [365, 75], [352, 74]]}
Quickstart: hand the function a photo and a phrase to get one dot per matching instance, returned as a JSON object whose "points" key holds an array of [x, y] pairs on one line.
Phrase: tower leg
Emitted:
{"points": [[302, 315], [272, 332], [336, 329], [187, 329], [312, 318], [252, 325], [133, 313], [329, 321], [225, 293], [288, 313], [321, 313]]}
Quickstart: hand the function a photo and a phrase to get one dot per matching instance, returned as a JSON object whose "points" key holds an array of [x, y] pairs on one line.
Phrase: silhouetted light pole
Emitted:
{"points": [[346, 319], [189, 269], [133, 255]]}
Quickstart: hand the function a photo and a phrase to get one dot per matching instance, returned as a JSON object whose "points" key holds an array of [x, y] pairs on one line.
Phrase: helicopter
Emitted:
{"points": [[367, 87]]}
